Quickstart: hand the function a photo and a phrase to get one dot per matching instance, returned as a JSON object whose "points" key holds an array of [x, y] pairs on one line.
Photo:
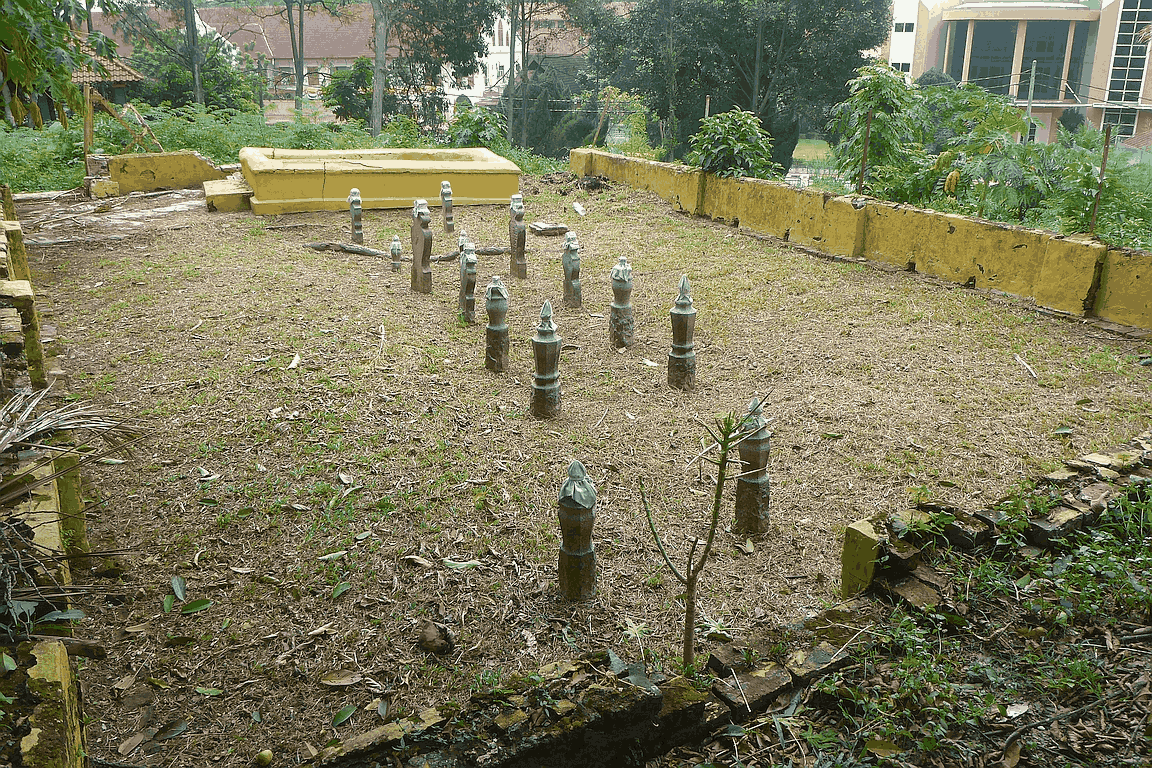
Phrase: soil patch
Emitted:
{"points": [[332, 465]]}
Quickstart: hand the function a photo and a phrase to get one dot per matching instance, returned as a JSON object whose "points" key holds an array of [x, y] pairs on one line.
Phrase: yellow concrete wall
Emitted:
{"points": [[1057, 271], [893, 234], [161, 170], [1067, 274], [1125, 294], [721, 198], [996, 256], [767, 206]]}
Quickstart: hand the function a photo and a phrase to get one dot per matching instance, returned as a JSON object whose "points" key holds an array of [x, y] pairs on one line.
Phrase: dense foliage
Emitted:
{"points": [[779, 61], [733, 144], [170, 78], [39, 51], [956, 149], [53, 158]]}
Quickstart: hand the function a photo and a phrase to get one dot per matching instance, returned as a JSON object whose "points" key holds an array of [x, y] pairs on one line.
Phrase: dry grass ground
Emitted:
{"points": [[390, 442]]}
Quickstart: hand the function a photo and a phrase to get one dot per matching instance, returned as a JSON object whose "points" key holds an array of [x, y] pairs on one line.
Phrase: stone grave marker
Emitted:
{"points": [[546, 353], [467, 302], [397, 250], [517, 238], [421, 247], [496, 334], [576, 569], [752, 487], [573, 294], [446, 203], [682, 358], [355, 209], [620, 324]]}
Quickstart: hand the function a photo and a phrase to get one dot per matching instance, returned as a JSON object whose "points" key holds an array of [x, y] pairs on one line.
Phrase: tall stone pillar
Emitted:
{"points": [[576, 569], [446, 203], [570, 260], [467, 304], [517, 239], [355, 208], [421, 247], [682, 358], [496, 333], [752, 489], [620, 324], [546, 351]]}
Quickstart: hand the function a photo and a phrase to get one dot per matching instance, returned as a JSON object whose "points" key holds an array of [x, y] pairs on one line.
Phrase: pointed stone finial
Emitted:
{"points": [[397, 249], [682, 358], [546, 353], [576, 506]]}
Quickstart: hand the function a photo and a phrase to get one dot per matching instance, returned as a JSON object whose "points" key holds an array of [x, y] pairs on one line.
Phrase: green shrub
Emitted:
{"points": [[478, 127], [34, 160], [733, 144]]}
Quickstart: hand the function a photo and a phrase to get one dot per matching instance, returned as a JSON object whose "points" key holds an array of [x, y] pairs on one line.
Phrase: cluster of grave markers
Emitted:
{"points": [[577, 501]]}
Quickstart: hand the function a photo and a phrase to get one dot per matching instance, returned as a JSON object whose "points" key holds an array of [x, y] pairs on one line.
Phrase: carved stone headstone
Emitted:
{"points": [[496, 333], [446, 202], [752, 487], [682, 358], [355, 208], [397, 250], [460, 241], [517, 239], [573, 294], [468, 284], [576, 506], [620, 325], [421, 247], [546, 352]]}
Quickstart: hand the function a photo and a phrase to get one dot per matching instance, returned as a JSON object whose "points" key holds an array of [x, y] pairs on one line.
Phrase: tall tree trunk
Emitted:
{"points": [[193, 50], [510, 88], [382, 19], [300, 56], [525, 33], [754, 104]]}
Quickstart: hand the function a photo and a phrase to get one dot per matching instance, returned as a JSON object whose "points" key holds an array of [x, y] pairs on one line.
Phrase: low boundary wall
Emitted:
{"points": [[1076, 274]]}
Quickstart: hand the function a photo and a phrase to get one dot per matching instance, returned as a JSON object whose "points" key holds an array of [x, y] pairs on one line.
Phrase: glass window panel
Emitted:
{"points": [[959, 40], [992, 48]]}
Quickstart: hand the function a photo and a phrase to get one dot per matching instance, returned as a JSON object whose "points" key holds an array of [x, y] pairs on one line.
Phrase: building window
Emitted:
{"points": [[1076, 84], [1044, 43], [1124, 120], [958, 43], [906, 67], [905, 27], [1131, 53], [993, 44]]}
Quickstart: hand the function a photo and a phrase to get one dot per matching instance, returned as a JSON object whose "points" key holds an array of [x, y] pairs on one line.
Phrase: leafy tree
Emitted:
{"points": [[774, 58], [1072, 120], [39, 51], [935, 76], [171, 80], [439, 37], [894, 131], [349, 91]]}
